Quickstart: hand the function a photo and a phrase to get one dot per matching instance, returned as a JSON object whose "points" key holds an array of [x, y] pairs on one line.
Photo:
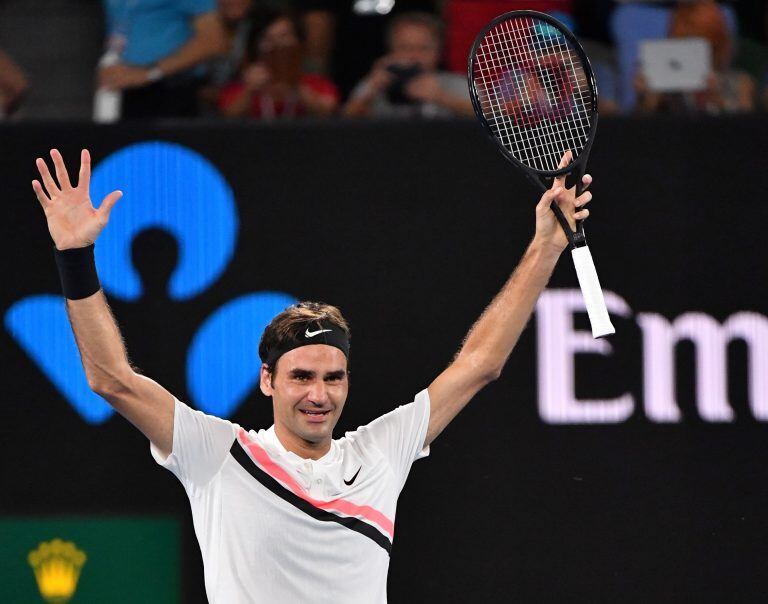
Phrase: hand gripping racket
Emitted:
{"points": [[533, 89]]}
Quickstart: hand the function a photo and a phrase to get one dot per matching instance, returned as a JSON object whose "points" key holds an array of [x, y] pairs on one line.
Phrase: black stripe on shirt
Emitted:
{"points": [[354, 524]]}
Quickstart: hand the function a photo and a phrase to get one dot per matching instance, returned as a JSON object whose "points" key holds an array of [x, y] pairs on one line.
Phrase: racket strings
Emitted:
{"points": [[537, 111], [513, 40], [534, 91]]}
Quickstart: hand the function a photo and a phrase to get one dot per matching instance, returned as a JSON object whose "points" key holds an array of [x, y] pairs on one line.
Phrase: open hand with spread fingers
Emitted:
{"points": [[72, 220], [548, 230]]}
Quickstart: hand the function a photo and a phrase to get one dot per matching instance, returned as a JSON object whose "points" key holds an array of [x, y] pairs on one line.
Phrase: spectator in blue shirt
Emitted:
{"points": [[158, 49]]}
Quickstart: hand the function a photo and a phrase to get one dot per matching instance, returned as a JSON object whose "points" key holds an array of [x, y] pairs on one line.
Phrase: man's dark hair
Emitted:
{"points": [[290, 325]]}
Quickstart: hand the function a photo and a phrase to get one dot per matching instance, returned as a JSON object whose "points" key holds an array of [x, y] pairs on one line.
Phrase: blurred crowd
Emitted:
{"points": [[261, 60]]}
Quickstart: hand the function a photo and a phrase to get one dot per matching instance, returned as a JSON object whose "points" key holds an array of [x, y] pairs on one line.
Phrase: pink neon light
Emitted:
{"points": [[340, 505]]}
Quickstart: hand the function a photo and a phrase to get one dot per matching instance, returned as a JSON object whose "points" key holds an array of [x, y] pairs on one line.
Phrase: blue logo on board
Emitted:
{"points": [[173, 188]]}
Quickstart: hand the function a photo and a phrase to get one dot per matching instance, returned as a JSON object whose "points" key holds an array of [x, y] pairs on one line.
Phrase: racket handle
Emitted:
{"points": [[593, 295]]}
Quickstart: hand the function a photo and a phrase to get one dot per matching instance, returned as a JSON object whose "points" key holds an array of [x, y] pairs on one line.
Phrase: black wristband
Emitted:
{"points": [[77, 271]]}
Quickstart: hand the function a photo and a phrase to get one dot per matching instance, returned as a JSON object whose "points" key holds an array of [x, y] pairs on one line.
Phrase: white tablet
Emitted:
{"points": [[676, 64]]}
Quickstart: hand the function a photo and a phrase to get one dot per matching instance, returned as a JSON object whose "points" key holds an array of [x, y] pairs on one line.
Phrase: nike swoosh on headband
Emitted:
{"points": [[312, 334]]}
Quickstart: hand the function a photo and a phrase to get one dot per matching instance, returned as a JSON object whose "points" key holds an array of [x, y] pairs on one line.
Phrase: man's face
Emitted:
{"points": [[308, 391], [412, 43]]}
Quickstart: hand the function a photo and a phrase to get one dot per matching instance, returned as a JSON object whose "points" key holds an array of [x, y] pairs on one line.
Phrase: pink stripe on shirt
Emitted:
{"points": [[347, 508]]}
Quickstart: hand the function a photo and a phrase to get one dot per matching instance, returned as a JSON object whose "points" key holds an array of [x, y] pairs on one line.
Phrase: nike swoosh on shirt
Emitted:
{"points": [[351, 480], [312, 334]]}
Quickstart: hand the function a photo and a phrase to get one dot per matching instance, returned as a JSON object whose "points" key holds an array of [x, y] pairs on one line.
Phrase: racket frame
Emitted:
{"points": [[542, 178], [582, 258]]}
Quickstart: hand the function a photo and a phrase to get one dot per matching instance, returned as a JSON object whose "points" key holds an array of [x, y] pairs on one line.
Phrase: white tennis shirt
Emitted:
{"points": [[276, 528]]}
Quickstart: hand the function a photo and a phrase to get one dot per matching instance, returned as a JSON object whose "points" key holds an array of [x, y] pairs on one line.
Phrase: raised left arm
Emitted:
{"points": [[492, 338]]}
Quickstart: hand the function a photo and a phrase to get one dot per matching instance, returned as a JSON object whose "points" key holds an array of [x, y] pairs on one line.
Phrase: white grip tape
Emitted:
{"points": [[593, 295]]}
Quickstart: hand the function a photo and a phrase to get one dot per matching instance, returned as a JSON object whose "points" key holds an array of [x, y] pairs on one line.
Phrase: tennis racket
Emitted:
{"points": [[533, 89]]}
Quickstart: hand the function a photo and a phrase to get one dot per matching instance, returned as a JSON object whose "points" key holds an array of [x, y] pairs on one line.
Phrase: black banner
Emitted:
{"points": [[631, 469]]}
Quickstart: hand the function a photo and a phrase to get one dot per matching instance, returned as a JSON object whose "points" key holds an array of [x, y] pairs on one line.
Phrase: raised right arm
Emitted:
{"points": [[74, 226]]}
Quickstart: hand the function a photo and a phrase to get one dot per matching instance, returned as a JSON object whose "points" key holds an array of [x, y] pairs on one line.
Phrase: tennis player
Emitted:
{"points": [[288, 514]]}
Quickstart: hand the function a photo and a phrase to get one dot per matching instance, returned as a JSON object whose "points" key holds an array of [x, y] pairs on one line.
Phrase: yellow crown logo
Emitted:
{"points": [[57, 567]]}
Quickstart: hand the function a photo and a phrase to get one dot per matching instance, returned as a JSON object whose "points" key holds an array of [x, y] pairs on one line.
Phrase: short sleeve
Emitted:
{"points": [[200, 445], [400, 434]]}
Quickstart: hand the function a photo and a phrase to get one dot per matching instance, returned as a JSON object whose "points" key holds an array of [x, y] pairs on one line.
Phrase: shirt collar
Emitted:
{"points": [[274, 444]]}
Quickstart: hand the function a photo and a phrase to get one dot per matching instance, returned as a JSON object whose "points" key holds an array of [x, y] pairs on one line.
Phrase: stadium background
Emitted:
{"points": [[411, 228]]}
